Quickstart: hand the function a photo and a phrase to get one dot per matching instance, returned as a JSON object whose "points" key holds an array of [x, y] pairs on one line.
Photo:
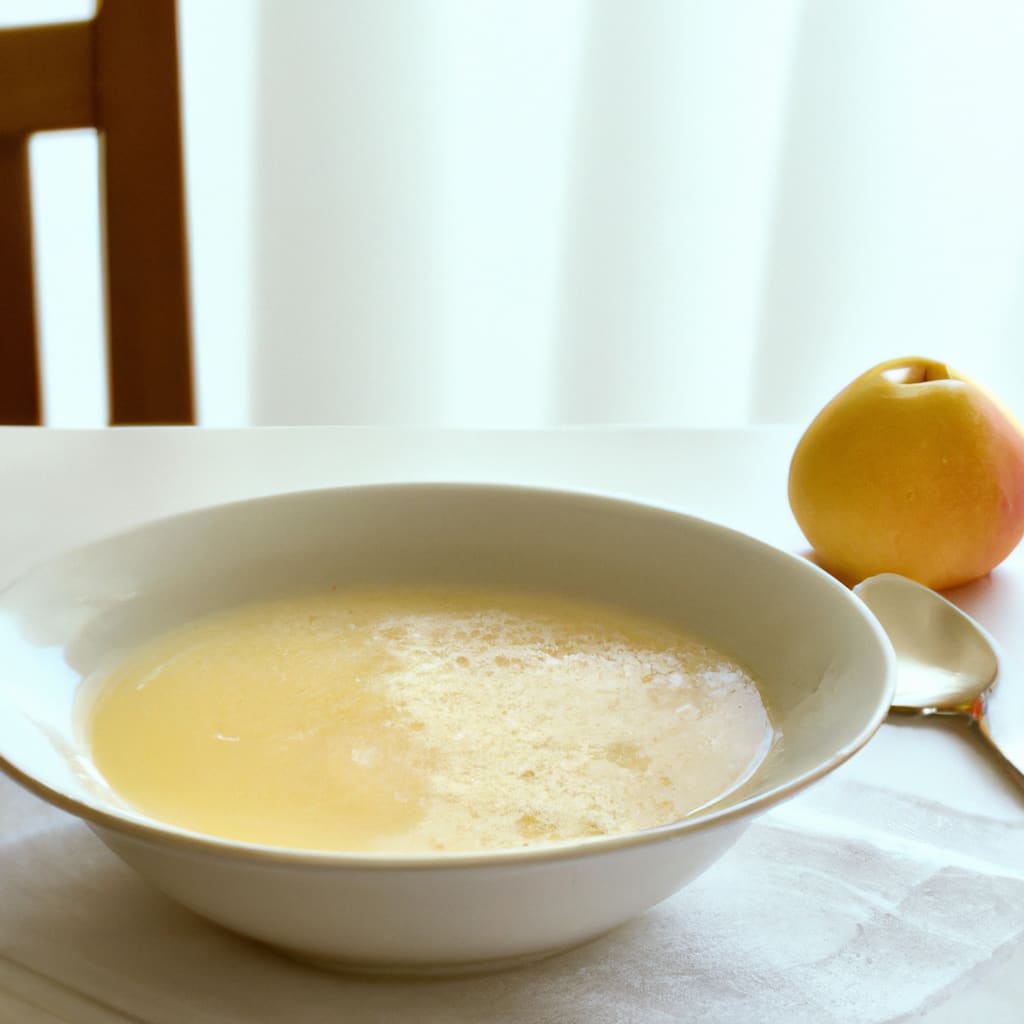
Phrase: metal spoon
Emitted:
{"points": [[947, 664]]}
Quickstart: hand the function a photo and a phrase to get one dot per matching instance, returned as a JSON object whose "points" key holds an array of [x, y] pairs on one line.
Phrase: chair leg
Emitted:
{"points": [[138, 116], [20, 400]]}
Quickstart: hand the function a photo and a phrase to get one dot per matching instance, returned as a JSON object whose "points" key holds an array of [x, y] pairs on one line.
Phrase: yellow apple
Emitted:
{"points": [[912, 469]]}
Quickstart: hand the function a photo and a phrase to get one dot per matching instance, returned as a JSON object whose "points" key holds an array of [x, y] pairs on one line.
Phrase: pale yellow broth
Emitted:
{"points": [[424, 719]]}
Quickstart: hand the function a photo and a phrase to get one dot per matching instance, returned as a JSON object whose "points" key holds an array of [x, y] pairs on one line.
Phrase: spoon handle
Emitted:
{"points": [[997, 716]]}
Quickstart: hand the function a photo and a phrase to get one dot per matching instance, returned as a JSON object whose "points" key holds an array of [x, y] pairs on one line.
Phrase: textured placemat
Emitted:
{"points": [[849, 904]]}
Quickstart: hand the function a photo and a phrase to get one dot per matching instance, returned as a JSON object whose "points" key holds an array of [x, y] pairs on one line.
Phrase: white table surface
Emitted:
{"points": [[60, 488]]}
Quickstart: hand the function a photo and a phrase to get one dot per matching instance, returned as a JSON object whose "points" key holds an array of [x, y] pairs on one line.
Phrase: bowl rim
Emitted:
{"points": [[183, 840]]}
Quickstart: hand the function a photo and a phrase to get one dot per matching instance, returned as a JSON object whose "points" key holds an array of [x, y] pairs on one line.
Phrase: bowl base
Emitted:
{"points": [[426, 970]]}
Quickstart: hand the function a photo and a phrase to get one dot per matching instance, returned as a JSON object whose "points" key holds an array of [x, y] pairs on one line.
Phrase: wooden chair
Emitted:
{"points": [[118, 74]]}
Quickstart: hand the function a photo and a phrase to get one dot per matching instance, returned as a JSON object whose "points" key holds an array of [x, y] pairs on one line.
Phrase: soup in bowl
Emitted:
{"points": [[430, 727]]}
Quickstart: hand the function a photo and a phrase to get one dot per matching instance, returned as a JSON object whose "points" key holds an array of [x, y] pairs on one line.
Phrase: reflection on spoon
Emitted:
{"points": [[947, 664]]}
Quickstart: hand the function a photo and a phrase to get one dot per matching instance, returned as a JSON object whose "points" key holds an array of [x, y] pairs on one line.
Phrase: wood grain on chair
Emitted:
{"points": [[118, 74]]}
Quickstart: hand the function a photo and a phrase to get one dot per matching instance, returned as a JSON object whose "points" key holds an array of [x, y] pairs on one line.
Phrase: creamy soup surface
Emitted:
{"points": [[426, 719]]}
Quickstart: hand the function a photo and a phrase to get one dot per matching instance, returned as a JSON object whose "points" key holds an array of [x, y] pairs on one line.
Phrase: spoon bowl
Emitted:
{"points": [[946, 663]]}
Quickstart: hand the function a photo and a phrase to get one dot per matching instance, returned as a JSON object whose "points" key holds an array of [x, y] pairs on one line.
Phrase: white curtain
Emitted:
{"points": [[666, 211], [514, 213], [527, 212]]}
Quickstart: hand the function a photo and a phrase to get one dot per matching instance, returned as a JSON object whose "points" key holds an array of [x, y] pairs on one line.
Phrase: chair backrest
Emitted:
{"points": [[118, 74]]}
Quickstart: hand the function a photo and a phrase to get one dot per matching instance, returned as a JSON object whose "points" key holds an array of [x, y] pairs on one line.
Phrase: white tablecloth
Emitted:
{"points": [[893, 890]]}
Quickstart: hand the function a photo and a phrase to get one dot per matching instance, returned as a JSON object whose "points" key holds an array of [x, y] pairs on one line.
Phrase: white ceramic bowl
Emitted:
{"points": [[826, 666]]}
